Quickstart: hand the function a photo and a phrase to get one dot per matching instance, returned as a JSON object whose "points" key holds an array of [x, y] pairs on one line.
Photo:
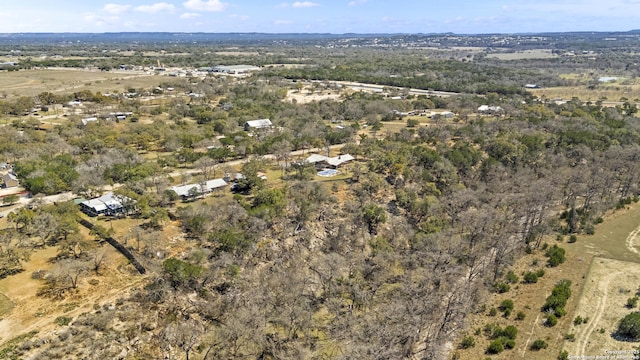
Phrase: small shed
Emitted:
{"points": [[258, 124], [10, 180]]}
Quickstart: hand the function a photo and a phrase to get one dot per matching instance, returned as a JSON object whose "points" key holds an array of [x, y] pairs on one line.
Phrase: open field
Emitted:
{"points": [[604, 92], [63, 81], [524, 55], [305, 97], [609, 284]]}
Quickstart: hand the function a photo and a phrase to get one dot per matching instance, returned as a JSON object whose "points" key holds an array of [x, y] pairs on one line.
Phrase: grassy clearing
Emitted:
{"points": [[33, 82], [607, 92], [524, 55]]}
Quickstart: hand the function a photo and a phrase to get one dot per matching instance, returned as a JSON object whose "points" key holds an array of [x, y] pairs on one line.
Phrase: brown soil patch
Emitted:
{"points": [[305, 97], [31, 312]]}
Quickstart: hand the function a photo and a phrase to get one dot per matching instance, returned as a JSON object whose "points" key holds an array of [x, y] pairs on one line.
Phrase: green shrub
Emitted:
{"points": [[632, 302], [510, 332], [530, 278], [558, 298], [539, 345], [570, 337], [573, 238], [512, 277], [412, 123], [551, 321], [506, 304], [467, 342], [495, 347], [62, 320], [181, 272], [502, 287], [540, 273], [520, 315], [556, 256], [577, 321], [564, 355], [493, 312], [509, 344], [629, 326]]}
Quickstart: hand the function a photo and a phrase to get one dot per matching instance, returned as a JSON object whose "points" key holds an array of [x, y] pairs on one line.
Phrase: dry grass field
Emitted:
{"points": [[64, 81], [609, 284], [608, 93], [524, 55]]}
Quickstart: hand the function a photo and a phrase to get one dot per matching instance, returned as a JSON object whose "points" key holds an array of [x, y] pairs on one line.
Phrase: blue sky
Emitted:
{"points": [[319, 16]]}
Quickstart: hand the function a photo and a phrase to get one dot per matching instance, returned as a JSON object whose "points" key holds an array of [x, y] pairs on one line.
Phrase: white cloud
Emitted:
{"points": [[282, 22], [116, 8], [208, 5], [283, 5], [239, 17], [100, 20], [187, 16], [156, 8], [304, 4], [357, 2]]}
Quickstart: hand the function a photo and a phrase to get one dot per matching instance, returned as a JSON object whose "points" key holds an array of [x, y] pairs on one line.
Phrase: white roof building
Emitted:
{"points": [[85, 121], [258, 124], [335, 161], [487, 108], [203, 188], [108, 204]]}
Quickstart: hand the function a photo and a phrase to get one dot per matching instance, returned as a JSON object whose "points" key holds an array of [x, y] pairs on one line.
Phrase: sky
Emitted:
{"points": [[319, 16]]}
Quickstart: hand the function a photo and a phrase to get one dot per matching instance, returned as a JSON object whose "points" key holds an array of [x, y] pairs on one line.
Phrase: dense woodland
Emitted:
{"points": [[386, 265]]}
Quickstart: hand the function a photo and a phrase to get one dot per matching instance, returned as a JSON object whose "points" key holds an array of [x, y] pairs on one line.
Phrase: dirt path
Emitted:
{"points": [[629, 242], [584, 337], [526, 344]]}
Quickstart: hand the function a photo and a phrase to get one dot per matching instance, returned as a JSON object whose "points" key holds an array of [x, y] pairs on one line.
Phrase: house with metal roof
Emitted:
{"points": [[194, 190], [258, 124], [108, 204]]}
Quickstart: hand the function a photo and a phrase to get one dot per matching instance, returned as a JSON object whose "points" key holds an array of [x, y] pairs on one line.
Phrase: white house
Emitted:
{"points": [[190, 190], [107, 204], [331, 162]]}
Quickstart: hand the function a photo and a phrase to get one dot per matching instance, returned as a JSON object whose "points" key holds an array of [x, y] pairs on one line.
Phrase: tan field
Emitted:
{"points": [[63, 81]]}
